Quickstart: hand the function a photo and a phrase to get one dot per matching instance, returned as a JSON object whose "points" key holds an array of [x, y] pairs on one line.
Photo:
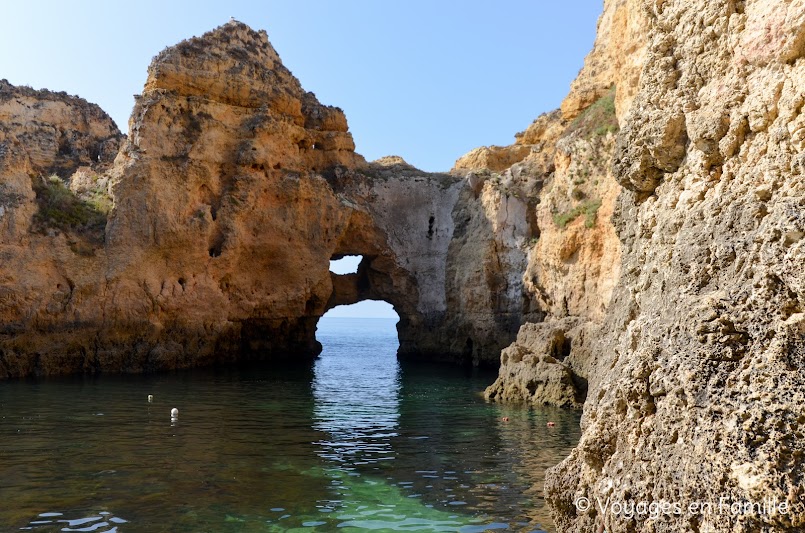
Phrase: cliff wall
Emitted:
{"points": [[205, 236], [675, 315], [695, 390]]}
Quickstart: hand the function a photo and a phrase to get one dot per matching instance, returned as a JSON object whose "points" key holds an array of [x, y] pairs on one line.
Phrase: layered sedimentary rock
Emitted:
{"points": [[209, 238]]}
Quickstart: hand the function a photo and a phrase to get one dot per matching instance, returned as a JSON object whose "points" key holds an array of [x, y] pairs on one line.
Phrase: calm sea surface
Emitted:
{"points": [[356, 442]]}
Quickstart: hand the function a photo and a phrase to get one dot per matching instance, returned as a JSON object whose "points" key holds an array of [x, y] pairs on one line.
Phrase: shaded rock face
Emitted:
{"points": [[574, 255], [696, 388], [208, 239], [680, 311]]}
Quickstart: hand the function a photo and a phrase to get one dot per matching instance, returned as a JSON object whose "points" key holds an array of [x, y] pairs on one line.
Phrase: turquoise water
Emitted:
{"points": [[355, 442]]}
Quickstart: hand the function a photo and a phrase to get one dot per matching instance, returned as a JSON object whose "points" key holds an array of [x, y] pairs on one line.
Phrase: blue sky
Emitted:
{"points": [[425, 80]]}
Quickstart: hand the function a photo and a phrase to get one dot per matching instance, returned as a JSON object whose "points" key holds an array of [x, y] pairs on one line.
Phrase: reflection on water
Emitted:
{"points": [[355, 442], [104, 522], [356, 393]]}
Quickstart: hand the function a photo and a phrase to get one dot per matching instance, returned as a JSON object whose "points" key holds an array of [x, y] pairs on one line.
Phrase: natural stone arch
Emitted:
{"points": [[217, 248]]}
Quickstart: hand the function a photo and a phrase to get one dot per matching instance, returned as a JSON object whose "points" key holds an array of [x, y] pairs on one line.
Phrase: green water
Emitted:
{"points": [[356, 442]]}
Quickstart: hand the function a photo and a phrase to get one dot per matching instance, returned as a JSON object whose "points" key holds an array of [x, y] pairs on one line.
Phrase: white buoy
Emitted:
{"points": [[150, 398], [174, 413]]}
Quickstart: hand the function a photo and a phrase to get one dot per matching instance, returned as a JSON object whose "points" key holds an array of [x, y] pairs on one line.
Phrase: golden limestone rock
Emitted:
{"points": [[209, 238]]}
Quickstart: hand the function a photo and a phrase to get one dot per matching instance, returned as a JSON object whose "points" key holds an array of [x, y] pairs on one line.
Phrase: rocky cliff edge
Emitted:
{"points": [[205, 236]]}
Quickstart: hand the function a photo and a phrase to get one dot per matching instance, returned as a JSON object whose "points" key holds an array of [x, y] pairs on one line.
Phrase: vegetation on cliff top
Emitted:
{"points": [[61, 208], [589, 209], [598, 119]]}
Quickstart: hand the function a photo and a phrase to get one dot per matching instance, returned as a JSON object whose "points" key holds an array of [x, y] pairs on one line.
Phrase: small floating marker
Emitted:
{"points": [[150, 398], [174, 413], [551, 424], [505, 418]]}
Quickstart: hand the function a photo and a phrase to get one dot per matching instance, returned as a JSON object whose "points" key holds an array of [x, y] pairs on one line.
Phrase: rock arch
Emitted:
{"points": [[218, 246]]}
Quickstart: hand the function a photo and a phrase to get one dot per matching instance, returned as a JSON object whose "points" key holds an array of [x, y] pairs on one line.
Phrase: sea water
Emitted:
{"points": [[354, 442]]}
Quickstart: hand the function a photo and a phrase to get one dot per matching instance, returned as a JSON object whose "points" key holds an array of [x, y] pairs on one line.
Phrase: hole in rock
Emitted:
{"points": [[345, 264], [365, 309], [216, 245]]}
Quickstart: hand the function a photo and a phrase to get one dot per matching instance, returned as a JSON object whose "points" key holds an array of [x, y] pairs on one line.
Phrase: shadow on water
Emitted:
{"points": [[355, 441]]}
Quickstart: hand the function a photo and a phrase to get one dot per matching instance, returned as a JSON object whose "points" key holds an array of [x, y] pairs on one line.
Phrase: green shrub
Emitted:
{"points": [[60, 208], [598, 119], [589, 209]]}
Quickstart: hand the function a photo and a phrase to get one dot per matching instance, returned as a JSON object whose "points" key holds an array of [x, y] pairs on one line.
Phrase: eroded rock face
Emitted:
{"points": [[572, 260], [50, 234], [617, 59], [697, 388], [225, 205]]}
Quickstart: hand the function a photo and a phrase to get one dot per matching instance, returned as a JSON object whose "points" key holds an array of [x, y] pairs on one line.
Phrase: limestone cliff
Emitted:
{"points": [[574, 258], [647, 239], [695, 392], [209, 238], [677, 318]]}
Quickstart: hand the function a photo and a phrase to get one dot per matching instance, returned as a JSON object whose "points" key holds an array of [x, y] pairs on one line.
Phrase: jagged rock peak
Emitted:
{"points": [[232, 63], [232, 78], [236, 65]]}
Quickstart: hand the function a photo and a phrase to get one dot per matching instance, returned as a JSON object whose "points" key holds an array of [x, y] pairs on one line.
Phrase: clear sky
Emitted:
{"points": [[426, 80]]}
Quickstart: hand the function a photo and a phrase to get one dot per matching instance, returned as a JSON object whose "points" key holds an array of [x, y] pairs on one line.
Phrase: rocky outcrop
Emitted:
{"points": [[695, 392], [572, 261], [50, 233], [209, 238], [687, 329], [650, 234], [574, 256]]}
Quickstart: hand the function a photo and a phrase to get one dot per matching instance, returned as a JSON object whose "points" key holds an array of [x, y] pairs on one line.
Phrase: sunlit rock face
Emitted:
{"points": [[209, 237], [695, 390], [676, 314]]}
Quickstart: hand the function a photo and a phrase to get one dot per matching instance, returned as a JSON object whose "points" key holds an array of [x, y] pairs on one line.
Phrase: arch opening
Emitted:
{"points": [[364, 309], [370, 286], [345, 264], [368, 327]]}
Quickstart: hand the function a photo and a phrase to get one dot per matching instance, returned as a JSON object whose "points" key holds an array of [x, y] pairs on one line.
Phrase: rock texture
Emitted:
{"points": [[687, 332], [208, 239], [695, 389]]}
